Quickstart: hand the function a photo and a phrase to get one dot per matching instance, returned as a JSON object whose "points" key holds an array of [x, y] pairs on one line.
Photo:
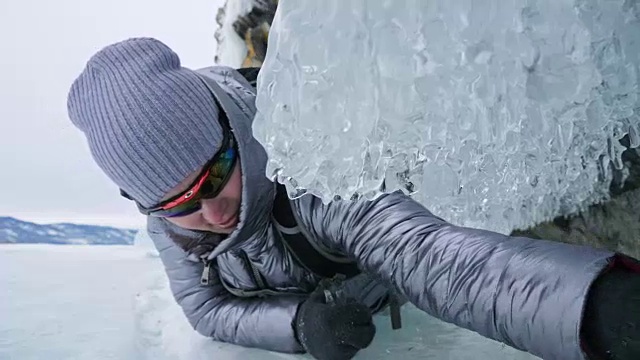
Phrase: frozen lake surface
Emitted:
{"points": [[112, 302]]}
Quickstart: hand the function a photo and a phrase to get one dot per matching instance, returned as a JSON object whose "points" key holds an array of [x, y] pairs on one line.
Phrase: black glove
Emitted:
{"points": [[335, 331], [612, 316]]}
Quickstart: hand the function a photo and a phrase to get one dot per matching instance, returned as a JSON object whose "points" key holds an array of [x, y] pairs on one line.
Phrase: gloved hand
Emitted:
{"points": [[333, 331], [611, 325]]}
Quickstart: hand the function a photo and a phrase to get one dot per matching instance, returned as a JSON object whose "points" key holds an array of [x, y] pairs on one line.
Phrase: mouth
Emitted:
{"points": [[230, 222]]}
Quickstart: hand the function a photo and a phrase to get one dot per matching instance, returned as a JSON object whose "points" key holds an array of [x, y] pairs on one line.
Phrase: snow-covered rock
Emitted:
{"points": [[16, 231]]}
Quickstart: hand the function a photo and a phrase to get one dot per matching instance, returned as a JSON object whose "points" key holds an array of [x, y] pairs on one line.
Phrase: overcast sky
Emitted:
{"points": [[46, 170]]}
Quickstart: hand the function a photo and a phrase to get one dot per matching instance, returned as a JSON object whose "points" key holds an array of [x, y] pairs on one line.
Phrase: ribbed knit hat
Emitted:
{"points": [[148, 121]]}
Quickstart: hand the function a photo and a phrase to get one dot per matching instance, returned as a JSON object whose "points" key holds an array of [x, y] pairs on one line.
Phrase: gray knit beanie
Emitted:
{"points": [[148, 121]]}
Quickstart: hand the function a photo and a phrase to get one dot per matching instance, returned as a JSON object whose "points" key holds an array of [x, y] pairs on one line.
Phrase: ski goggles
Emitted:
{"points": [[208, 184]]}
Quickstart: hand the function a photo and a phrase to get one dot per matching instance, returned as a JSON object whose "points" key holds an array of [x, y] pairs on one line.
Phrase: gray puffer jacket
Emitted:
{"points": [[526, 293]]}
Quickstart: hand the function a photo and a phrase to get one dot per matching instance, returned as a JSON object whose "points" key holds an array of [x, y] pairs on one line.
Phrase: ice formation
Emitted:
{"points": [[496, 114]]}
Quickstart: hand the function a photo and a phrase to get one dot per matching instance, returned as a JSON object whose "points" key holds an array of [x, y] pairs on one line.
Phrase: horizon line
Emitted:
{"points": [[95, 220]]}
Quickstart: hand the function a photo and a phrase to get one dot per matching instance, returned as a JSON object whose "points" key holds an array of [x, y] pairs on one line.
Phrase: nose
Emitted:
{"points": [[214, 210]]}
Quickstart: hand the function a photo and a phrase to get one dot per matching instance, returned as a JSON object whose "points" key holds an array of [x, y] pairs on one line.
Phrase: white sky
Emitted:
{"points": [[46, 170]]}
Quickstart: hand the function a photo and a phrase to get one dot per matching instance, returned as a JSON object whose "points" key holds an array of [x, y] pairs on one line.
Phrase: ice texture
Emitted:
{"points": [[495, 114], [114, 302]]}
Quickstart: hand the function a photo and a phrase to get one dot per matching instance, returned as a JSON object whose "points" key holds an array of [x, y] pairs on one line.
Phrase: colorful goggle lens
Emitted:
{"points": [[207, 185]]}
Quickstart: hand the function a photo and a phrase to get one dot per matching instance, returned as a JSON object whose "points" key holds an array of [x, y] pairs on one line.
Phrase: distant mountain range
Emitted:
{"points": [[14, 231]]}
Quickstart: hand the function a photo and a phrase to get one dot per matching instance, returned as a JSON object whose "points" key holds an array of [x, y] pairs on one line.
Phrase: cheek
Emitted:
{"points": [[234, 186]]}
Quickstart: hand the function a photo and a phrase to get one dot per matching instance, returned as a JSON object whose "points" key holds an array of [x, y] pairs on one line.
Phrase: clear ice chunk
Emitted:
{"points": [[494, 114]]}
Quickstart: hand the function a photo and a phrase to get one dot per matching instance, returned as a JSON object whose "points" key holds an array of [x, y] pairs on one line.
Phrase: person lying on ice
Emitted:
{"points": [[248, 266]]}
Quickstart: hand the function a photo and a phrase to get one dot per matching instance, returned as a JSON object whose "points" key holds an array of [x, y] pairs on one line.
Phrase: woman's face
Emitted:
{"points": [[220, 214]]}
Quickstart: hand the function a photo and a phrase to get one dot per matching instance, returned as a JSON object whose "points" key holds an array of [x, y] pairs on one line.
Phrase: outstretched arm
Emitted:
{"points": [[527, 293], [265, 323]]}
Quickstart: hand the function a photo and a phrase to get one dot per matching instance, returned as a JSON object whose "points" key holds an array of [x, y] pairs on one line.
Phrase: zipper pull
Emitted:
{"points": [[204, 279]]}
